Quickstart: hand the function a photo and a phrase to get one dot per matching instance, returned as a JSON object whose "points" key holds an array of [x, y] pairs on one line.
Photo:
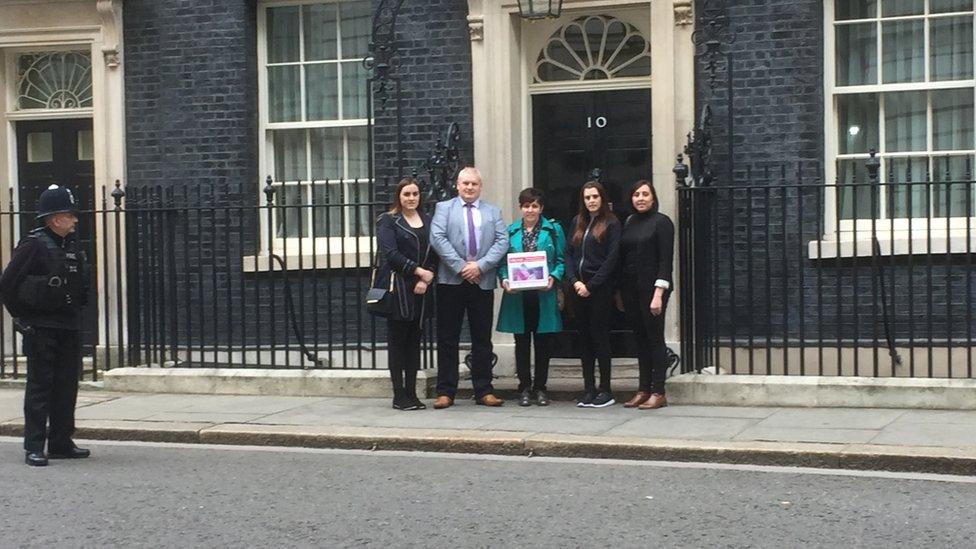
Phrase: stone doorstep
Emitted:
{"points": [[823, 392], [697, 389], [956, 461], [261, 382]]}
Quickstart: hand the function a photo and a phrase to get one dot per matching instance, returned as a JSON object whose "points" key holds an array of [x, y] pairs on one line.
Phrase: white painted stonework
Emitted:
{"points": [[503, 50], [94, 26]]}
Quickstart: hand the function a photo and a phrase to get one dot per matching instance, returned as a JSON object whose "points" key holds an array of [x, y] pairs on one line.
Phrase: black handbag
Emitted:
{"points": [[380, 301]]}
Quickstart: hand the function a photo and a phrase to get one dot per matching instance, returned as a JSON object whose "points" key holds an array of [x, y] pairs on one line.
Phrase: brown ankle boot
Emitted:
{"points": [[657, 400], [639, 398]]}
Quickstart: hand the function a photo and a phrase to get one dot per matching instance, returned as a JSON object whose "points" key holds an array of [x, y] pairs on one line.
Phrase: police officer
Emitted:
{"points": [[44, 287]]}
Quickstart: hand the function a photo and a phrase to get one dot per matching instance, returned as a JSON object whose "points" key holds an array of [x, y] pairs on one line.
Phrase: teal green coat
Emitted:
{"points": [[553, 241]]}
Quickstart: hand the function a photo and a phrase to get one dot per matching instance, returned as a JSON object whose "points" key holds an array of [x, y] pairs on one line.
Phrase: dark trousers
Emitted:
{"points": [[53, 368], [404, 356], [523, 341], [652, 359], [453, 301], [593, 319]]}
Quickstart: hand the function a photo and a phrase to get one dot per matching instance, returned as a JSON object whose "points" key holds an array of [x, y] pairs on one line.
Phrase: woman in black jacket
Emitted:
{"points": [[591, 258], [403, 235], [646, 250]]}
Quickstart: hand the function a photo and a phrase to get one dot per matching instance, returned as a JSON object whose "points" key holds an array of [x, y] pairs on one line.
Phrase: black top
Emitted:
{"points": [[530, 238], [423, 235], [594, 262], [647, 248]]}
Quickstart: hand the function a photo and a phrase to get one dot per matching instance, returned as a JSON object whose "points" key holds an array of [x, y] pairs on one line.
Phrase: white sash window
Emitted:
{"points": [[313, 114], [899, 80]]}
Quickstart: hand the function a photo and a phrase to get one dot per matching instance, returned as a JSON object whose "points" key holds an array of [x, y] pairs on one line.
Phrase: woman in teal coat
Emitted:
{"points": [[528, 312]]}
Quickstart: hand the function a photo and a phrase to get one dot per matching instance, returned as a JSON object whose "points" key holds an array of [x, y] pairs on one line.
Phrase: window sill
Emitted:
{"points": [[338, 253], [919, 243]]}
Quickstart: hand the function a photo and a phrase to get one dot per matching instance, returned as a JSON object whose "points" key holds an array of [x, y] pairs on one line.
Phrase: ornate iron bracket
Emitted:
{"points": [[442, 166], [382, 59], [712, 38], [699, 151]]}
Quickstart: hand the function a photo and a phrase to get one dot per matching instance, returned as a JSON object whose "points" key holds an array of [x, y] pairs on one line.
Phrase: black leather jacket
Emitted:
{"points": [[402, 249]]}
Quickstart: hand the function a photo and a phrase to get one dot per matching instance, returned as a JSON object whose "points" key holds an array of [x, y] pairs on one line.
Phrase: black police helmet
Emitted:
{"points": [[55, 200]]}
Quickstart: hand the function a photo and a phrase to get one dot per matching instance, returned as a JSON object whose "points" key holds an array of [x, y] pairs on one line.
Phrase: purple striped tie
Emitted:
{"points": [[472, 238]]}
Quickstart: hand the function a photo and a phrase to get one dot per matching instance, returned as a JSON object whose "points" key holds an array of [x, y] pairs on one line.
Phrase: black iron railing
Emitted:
{"points": [[782, 274], [187, 277]]}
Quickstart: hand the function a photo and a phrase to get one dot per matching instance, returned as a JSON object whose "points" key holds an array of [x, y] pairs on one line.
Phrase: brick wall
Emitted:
{"points": [[435, 65], [192, 136]]}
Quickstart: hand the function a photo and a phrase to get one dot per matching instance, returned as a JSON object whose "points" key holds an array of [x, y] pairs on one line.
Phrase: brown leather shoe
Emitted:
{"points": [[490, 400], [640, 398], [657, 400], [443, 401]]}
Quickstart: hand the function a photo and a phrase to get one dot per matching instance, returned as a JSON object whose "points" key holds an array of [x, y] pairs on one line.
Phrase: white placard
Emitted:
{"points": [[528, 270]]}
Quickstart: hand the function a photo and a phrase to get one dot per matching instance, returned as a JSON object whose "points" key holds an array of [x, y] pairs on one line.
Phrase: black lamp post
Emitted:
{"points": [[540, 9]]}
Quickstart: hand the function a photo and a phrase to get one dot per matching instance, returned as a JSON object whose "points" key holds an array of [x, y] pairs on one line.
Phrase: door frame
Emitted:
{"points": [[92, 326], [500, 44], [94, 27], [14, 164]]}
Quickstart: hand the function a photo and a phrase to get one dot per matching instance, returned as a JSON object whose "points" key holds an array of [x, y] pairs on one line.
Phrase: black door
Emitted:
{"points": [[575, 134], [60, 152]]}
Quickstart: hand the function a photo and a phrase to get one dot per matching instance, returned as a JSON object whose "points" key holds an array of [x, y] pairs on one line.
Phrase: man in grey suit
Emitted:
{"points": [[469, 236]]}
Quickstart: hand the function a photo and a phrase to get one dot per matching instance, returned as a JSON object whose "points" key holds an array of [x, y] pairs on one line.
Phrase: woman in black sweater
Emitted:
{"points": [[591, 259], [646, 250], [403, 238]]}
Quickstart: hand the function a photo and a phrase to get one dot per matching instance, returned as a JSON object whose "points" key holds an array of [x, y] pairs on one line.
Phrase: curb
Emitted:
{"points": [[951, 461]]}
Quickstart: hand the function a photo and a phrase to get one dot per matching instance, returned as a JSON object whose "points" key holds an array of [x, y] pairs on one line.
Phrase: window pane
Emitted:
{"points": [[855, 9], [322, 91], [854, 196], [908, 196], [951, 48], [289, 155], [86, 145], [329, 212], [952, 119], [905, 121], [359, 217], [289, 215], [946, 6], [40, 147], [903, 51], [857, 123], [326, 153], [354, 77], [857, 54], [357, 24], [283, 35], [284, 94], [892, 8], [54, 80], [358, 148], [954, 196], [319, 22]]}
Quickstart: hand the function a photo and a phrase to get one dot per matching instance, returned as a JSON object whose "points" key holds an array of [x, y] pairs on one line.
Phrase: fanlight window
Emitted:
{"points": [[598, 47], [54, 80]]}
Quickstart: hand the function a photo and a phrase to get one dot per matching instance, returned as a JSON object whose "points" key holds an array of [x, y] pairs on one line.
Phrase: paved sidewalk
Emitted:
{"points": [[915, 440]]}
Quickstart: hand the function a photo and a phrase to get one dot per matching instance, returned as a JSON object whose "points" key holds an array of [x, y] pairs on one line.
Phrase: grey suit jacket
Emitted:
{"points": [[447, 236]]}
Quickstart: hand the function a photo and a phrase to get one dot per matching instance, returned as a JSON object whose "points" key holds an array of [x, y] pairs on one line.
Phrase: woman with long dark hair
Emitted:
{"points": [[646, 250], [591, 259], [403, 237]]}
